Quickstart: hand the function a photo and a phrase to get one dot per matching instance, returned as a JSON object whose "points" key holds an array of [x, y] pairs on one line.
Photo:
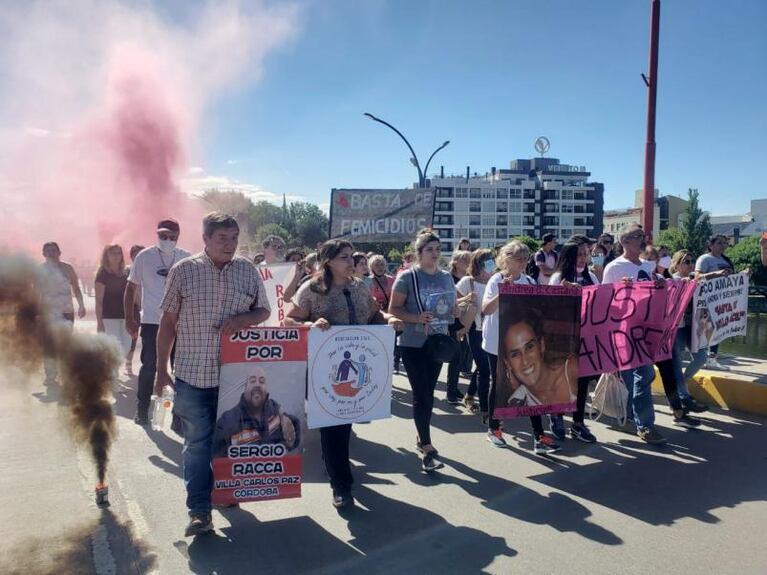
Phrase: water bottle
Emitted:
{"points": [[161, 408]]}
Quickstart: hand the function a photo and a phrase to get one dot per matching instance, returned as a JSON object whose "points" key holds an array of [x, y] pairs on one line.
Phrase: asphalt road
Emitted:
{"points": [[695, 505]]}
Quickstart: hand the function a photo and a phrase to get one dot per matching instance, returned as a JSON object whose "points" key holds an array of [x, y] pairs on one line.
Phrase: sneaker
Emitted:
{"points": [[683, 420], [544, 445], [651, 435], [495, 436], [712, 363], [693, 406], [557, 426], [342, 499], [429, 461], [581, 433], [454, 400], [420, 450], [141, 419], [467, 375], [199, 523]]}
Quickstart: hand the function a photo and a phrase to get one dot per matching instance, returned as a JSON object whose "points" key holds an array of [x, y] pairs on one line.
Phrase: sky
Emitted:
{"points": [[491, 76]]}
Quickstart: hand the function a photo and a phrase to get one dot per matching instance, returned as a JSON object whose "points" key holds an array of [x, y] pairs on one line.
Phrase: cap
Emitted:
{"points": [[168, 225]]}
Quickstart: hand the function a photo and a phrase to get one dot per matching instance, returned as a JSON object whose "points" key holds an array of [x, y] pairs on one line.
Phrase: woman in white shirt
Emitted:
{"points": [[511, 261], [482, 266]]}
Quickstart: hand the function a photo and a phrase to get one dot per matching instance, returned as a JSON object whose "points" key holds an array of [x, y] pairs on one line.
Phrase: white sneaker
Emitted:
{"points": [[712, 363]]}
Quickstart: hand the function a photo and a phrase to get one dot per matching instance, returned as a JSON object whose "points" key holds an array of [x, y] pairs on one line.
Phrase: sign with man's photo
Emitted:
{"points": [[539, 333], [261, 421]]}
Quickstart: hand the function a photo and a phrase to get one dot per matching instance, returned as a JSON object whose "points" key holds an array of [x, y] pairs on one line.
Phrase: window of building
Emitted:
{"points": [[488, 233], [567, 194], [444, 192], [475, 221], [515, 220], [501, 221], [488, 206], [488, 194], [488, 220], [501, 234], [461, 220], [443, 206], [528, 194], [475, 193], [461, 193], [447, 246], [461, 205], [515, 206], [502, 194], [474, 234], [567, 208], [501, 206], [515, 194], [475, 206]]}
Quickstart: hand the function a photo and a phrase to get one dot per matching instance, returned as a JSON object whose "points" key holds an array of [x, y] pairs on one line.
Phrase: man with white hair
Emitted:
{"points": [[629, 268]]}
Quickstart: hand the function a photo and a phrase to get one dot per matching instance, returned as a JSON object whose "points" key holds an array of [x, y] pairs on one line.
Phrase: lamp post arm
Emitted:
{"points": [[434, 153], [404, 139]]}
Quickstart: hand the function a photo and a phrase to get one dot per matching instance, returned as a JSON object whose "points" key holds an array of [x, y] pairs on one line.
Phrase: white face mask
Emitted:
{"points": [[598, 260], [665, 262], [166, 246], [489, 266]]}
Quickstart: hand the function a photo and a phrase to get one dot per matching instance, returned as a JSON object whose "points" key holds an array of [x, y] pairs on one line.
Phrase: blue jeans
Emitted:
{"points": [[699, 358], [639, 383], [196, 407]]}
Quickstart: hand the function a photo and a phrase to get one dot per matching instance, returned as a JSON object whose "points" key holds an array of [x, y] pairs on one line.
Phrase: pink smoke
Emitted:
{"points": [[101, 112]]}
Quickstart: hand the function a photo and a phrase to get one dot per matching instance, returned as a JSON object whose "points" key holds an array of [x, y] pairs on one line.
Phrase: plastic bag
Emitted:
{"points": [[611, 398]]}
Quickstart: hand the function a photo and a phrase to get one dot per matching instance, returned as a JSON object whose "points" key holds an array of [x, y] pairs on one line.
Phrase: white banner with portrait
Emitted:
{"points": [[720, 310], [350, 374]]}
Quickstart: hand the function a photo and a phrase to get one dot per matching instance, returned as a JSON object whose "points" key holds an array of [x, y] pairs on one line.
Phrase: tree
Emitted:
{"points": [[531, 243], [262, 213], [746, 254], [696, 225], [673, 238], [271, 230], [394, 256]]}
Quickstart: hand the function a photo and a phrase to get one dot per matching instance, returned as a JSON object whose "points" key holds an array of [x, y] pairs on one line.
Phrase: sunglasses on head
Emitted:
{"points": [[688, 262]]}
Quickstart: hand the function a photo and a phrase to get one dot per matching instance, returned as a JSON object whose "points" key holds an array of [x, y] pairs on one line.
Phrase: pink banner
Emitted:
{"points": [[625, 326]]}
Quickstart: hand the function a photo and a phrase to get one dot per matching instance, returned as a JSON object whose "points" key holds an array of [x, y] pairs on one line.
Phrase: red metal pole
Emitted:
{"points": [[652, 90]]}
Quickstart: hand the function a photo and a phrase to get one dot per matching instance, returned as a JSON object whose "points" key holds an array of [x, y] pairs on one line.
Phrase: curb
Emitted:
{"points": [[724, 390]]}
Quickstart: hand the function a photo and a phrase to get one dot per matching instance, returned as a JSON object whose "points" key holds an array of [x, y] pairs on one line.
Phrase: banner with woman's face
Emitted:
{"points": [[537, 350]]}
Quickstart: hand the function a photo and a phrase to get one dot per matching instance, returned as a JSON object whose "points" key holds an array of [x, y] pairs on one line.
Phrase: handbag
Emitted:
{"points": [[610, 398], [438, 347]]}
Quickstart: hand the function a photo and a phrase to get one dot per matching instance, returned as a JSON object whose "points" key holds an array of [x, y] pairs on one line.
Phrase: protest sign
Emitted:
{"points": [[380, 215], [276, 277], [537, 350], [261, 422], [720, 310], [350, 374], [627, 325]]}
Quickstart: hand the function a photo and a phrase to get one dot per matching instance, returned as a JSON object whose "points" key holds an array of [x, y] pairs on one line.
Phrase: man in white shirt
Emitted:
{"points": [[629, 268], [148, 272]]}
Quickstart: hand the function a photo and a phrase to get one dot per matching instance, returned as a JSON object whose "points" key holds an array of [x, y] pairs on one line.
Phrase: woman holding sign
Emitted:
{"points": [[511, 260], [335, 297], [417, 298], [572, 271], [710, 266]]}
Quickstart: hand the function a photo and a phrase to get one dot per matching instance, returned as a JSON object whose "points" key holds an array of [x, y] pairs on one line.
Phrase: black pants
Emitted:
{"points": [[667, 375], [148, 370], [422, 373], [494, 423], [583, 393], [480, 379], [335, 454], [454, 369]]}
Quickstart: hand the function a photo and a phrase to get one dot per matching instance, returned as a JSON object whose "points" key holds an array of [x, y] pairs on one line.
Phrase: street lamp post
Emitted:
{"points": [[413, 158], [648, 194]]}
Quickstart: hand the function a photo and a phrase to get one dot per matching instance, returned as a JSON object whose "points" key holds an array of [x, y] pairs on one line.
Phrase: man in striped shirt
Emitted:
{"points": [[209, 295]]}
